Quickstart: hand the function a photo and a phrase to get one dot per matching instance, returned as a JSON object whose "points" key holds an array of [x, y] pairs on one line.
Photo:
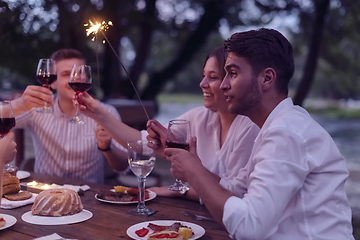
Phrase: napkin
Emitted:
{"points": [[74, 187], [7, 204], [53, 236]]}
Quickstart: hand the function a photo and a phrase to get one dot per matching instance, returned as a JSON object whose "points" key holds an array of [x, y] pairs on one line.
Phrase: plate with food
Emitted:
{"points": [[22, 174], [62, 220], [122, 195], [160, 229], [6, 221]]}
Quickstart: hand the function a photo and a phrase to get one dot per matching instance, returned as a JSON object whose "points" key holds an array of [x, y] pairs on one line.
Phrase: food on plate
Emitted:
{"points": [[165, 232], [142, 232], [57, 202], [120, 189], [2, 222], [165, 235], [114, 196], [157, 228], [20, 196], [133, 191], [11, 184], [121, 195], [185, 232]]}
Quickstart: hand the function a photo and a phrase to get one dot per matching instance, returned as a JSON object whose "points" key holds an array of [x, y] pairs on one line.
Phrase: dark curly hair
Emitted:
{"points": [[265, 48]]}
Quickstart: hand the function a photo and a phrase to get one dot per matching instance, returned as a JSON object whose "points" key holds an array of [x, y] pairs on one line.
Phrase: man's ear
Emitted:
{"points": [[268, 78]]}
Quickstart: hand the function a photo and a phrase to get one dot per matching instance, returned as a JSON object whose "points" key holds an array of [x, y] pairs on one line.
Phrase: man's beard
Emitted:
{"points": [[244, 104]]}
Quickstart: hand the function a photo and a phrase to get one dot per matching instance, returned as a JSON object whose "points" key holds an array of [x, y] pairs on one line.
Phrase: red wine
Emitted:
{"points": [[177, 145], [6, 124], [80, 86], [46, 79]]}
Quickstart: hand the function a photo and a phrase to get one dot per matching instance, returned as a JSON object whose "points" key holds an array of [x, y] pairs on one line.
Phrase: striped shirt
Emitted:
{"points": [[65, 149]]}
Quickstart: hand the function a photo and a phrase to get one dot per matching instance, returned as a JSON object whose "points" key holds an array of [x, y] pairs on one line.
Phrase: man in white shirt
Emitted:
{"points": [[293, 185]]}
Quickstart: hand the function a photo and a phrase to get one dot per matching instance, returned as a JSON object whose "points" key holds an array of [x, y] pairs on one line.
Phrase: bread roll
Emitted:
{"points": [[11, 184], [20, 196]]}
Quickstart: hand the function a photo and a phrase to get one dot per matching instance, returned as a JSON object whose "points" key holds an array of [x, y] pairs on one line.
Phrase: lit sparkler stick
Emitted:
{"points": [[93, 29]]}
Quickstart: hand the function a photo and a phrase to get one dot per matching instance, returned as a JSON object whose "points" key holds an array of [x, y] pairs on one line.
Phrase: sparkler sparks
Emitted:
{"points": [[94, 28]]}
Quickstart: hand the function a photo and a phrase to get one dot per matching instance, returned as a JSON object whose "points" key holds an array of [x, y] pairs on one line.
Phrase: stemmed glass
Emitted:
{"points": [[7, 122], [46, 75], [178, 136], [80, 81], [141, 160]]}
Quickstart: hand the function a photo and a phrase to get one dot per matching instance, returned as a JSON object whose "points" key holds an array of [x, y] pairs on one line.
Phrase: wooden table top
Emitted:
{"points": [[109, 221]]}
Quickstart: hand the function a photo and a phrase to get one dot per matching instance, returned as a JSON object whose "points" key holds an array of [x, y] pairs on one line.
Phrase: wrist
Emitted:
{"points": [[106, 149]]}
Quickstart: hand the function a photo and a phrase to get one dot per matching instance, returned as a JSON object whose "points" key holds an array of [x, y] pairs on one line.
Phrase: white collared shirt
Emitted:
{"points": [[65, 149], [293, 185]]}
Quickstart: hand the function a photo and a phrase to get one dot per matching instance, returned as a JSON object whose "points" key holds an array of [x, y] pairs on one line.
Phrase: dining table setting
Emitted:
{"points": [[100, 218]]}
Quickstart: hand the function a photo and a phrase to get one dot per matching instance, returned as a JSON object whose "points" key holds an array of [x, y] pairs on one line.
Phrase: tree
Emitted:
{"points": [[321, 10]]}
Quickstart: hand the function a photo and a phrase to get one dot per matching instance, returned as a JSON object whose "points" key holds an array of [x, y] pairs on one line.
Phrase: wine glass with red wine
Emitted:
{"points": [[178, 136], [79, 81], [7, 122], [46, 75]]}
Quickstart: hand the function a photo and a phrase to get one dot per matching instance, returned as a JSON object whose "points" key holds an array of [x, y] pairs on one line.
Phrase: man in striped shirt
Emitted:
{"points": [[61, 148]]}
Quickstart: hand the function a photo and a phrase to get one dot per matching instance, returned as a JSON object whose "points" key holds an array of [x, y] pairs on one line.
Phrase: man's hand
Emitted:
{"points": [[33, 96], [89, 106], [156, 137], [183, 163], [7, 148], [103, 137]]}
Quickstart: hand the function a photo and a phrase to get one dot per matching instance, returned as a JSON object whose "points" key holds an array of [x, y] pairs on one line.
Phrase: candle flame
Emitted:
{"points": [[95, 27], [33, 183], [46, 186]]}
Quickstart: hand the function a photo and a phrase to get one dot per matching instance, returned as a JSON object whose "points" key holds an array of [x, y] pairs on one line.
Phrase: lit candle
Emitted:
{"points": [[46, 186], [33, 183]]}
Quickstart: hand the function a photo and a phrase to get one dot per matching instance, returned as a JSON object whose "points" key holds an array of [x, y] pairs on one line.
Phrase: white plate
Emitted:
{"points": [[22, 174], [41, 220], [152, 195], [197, 230], [10, 220]]}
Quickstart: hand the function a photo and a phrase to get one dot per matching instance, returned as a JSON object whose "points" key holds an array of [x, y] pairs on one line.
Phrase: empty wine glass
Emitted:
{"points": [[7, 122], [79, 81], [141, 160], [46, 75], [178, 136]]}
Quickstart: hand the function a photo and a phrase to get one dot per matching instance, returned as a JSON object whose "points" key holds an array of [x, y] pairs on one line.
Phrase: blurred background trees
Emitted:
{"points": [[162, 43]]}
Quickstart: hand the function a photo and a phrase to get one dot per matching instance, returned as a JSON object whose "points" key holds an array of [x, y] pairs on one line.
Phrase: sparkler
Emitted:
{"points": [[93, 29]]}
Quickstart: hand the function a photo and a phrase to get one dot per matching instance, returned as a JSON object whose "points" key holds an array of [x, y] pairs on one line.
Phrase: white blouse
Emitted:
{"points": [[235, 152]]}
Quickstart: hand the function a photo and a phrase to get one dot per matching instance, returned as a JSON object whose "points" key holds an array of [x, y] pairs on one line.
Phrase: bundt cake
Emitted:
{"points": [[57, 202]]}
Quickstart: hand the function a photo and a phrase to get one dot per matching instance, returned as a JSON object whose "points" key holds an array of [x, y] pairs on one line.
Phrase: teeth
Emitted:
{"points": [[207, 94]]}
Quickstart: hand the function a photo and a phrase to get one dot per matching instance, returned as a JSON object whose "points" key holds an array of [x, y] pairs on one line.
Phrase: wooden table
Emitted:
{"points": [[109, 221]]}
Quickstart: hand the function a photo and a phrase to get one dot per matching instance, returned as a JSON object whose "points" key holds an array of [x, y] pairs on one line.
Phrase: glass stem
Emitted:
{"points": [[45, 102], [141, 201], [77, 106]]}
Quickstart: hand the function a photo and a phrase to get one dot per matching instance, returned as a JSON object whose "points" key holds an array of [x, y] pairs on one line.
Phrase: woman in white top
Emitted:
{"points": [[224, 140]]}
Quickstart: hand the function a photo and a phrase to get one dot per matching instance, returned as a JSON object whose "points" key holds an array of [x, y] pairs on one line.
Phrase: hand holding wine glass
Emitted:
{"points": [[80, 81], [7, 122], [141, 160], [46, 75], [178, 136]]}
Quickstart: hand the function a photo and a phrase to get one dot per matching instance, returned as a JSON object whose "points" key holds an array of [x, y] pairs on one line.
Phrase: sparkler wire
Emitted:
{"points": [[122, 65], [94, 29]]}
